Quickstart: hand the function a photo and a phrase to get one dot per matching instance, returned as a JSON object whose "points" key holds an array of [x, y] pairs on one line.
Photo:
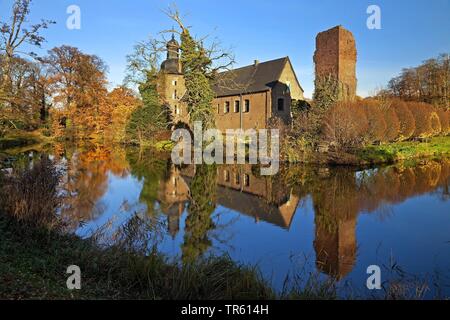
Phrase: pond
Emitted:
{"points": [[326, 222]]}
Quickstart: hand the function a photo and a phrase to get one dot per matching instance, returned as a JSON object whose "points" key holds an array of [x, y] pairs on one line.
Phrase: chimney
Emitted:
{"points": [[256, 62]]}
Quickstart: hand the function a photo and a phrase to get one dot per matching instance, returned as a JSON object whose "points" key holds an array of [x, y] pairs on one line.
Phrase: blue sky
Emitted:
{"points": [[412, 31]]}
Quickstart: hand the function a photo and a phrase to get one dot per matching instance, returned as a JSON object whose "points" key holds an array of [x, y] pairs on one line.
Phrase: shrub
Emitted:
{"points": [[406, 119], [392, 132], [345, 125], [445, 121], [375, 117], [427, 120], [30, 195]]}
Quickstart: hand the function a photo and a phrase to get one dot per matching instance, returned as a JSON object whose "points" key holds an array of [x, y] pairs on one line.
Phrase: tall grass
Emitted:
{"points": [[29, 195]]}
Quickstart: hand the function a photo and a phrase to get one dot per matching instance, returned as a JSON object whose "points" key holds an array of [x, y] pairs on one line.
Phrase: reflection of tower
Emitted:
{"points": [[335, 246], [173, 194]]}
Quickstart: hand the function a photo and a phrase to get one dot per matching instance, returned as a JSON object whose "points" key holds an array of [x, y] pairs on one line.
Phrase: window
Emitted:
{"points": [[226, 175], [177, 110], [174, 82], [246, 180], [247, 106], [175, 94], [237, 106], [237, 178], [280, 104], [218, 108], [226, 108]]}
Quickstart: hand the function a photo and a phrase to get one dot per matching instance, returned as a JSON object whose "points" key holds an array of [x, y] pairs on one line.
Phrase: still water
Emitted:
{"points": [[325, 222]]}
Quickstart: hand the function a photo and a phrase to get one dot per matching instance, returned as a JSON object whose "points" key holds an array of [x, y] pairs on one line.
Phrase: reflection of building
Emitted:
{"points": [[245, 98], [173, 195], [335, 247], [237, 189]]}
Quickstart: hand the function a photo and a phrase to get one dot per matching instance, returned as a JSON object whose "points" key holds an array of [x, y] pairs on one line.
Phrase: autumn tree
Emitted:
{"points": [[122, 102], [429, 82], [78, 85]]}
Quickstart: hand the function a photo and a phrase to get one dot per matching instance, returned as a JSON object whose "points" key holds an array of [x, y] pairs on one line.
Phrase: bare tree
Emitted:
{"points": [[16, 33]]}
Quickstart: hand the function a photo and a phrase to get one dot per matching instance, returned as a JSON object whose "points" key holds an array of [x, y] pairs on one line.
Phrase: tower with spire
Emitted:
{"points": [[172, 87]]}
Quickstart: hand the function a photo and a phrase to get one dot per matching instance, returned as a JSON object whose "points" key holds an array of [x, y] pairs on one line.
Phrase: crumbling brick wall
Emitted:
{"points": [[336, 56]]}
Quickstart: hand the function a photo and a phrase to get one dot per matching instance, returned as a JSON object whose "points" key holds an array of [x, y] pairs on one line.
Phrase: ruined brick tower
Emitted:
{"points": [[336, 56]]}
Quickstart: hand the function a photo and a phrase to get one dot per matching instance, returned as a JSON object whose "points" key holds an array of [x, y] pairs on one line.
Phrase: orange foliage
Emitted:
{"points": [[122, 102], [345, 125], [392, 124], [406, 119], [444, 117], [427, 120], [375, 117]]}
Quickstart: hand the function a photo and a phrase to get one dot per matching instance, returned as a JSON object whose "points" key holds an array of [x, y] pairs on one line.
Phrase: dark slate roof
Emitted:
{"points": [[254, 78], [171, 66]]}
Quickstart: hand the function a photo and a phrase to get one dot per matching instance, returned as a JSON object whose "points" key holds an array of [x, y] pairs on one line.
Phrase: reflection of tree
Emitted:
{"points": [[202, 205], [151, 168], [86, 180], [339, 195]]}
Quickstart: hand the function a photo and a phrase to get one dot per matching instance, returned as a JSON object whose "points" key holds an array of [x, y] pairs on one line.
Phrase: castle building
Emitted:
{"points": [[336, 56], [245, 98]]}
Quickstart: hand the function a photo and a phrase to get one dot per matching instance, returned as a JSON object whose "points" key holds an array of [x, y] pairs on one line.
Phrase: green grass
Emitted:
{"points": [[410, 150]]}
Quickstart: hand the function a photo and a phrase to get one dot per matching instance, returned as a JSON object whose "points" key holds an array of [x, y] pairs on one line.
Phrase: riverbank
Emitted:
{"points": [[433, 148], [436, 147], [37, 270]]}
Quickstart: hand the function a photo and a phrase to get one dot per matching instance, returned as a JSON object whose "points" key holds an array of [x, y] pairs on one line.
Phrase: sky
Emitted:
{"points": [[411, 31]]}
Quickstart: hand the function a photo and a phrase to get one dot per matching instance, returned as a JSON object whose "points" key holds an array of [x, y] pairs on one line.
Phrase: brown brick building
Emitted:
{"points": [[246, 98], [336, 56]]}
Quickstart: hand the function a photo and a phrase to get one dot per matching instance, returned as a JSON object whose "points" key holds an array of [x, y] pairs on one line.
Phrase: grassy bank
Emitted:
{"points": [[411, 150]]}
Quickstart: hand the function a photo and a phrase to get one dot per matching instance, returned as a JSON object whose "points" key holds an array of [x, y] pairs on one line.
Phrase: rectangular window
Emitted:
{"points": [[175, 94], [246, 180], [247, 106], [226, 175], [174, 82], [177, 110], [237, 179], [226, 107], [218, 108], [280, 104], [237, 106]]}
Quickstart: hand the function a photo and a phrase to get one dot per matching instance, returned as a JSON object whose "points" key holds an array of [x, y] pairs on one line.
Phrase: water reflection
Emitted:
{"points": [[189, 198]]}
